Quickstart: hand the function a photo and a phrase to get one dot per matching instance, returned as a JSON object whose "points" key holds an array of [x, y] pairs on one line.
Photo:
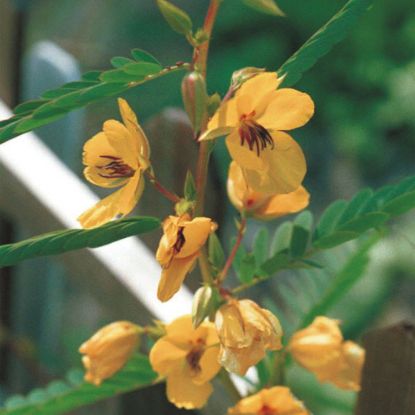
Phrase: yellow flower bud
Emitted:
{"points": [[273, 401], [107, 351], [259, 205], [320, 349], [245, 331]]}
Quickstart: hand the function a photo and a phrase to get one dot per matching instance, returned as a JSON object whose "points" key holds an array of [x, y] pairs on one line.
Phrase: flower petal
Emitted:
{"points": [[286, 167], [245, 157], [186, 394], [122, 141], [92, 174], [166, 356], [287, 109], [283, 204], [209, 365], [173, 277], [258, 86], [129, 118], [223, 121], [121, 202], [195, 234], [96, 147]]}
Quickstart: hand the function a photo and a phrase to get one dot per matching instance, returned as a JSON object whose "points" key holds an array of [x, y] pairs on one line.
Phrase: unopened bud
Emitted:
{"points": [[195, 99], [242, 75], [202, 305], [107, 351]]}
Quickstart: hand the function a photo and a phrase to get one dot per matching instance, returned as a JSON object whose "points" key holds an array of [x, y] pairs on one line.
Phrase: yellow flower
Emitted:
{"points": [[245, 331], [188, 358], [259, 205], [116, 156], [178, 250], [273, 401], [254, 121], [320, 349], [107, 351]]}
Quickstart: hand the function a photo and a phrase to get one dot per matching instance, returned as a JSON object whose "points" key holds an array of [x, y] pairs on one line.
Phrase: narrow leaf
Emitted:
{"points": [[143, 56], [265, 6]]}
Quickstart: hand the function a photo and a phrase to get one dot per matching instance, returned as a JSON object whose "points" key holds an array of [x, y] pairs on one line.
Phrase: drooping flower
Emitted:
{"points": [[188, 359], [254, 121], [259, 205], [116, 157], [273, 401], [178, 250], [107, 351], [245, 331], [320, 349]]}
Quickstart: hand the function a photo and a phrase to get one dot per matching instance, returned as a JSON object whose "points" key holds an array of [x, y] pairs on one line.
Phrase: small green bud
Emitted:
{"points": [[216, 254], [242, 75], [202, 305], [178, 20], [213, 103], [200, 37], [195, 99], [184, 206], [189, 187]]}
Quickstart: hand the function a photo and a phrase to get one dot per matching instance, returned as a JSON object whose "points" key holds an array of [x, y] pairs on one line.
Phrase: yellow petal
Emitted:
{"points": [[283, 204], [258, 86], [195, 234], [166, 356], [223, 121], [119, 203], [92, 174], [287, 109], [173, 277], [286, 167], [209, 365], [122, 141], [281, 398], [130, 120], [239, 360], [184, 393], [96, 147], [250, 405], [245, 157]]}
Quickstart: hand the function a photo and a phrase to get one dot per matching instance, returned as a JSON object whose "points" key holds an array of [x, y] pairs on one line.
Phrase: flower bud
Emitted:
{"points": [[195, 99], [245, 331], [202, 305], [107, 351]]}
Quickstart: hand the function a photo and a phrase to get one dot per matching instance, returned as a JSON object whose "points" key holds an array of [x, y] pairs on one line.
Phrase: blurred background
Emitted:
{"points": [[363, 134]]}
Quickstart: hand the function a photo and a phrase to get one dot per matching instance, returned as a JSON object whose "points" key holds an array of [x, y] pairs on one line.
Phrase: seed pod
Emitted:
{"points": [[195, 99]]}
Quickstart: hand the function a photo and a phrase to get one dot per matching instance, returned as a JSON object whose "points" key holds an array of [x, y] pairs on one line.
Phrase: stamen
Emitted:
{"points": [[266, 410], [115, 169], [255, 135], [180, 241], [194, 356]]}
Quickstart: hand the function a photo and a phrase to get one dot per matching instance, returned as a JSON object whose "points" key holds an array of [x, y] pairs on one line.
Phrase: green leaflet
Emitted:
{"points": [[66, 395], [323, 41], [342, 221], [68, 240], [93, 86], [265, 6]]}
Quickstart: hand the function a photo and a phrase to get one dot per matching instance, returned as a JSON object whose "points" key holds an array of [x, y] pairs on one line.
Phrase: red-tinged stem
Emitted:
{"points": [[161, 189], [200, 61], [229, 261]]}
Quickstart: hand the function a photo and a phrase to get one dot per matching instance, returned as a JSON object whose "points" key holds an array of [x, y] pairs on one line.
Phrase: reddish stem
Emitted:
{"points": [[161, 189]]}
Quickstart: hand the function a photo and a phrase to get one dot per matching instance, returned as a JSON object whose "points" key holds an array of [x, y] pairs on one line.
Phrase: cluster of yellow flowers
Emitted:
{"points": [[264, 181]]}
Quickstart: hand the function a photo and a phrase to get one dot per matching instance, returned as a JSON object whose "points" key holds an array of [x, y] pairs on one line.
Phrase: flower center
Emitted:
{"points": [[180, 240], [255, 135], [115, 168], [267, 410], [194, 356]]}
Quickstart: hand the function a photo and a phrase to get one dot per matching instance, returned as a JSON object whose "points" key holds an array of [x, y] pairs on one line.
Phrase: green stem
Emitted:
{"points": [[229, 386]]}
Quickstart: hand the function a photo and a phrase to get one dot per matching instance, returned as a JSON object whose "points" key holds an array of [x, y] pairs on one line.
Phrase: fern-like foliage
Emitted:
{"points": [[58, 242], [323, 41], [93, 86], [66, 395]]}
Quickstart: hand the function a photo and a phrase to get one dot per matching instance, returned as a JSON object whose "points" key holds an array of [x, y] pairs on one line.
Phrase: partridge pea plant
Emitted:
{"points": [[226, 335]]}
